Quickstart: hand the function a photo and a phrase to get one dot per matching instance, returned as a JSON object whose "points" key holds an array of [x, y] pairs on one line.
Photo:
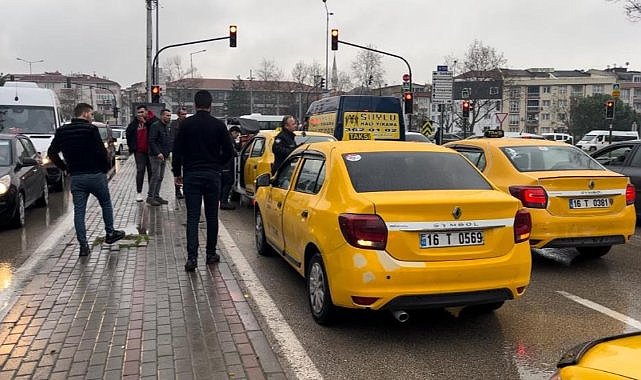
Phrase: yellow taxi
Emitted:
{"points": [[609, 358], [256, 157], [573, 200], [394, 226]]}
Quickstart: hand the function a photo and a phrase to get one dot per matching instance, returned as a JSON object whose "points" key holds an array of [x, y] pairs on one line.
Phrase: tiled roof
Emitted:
{"points": [[227, 84]]}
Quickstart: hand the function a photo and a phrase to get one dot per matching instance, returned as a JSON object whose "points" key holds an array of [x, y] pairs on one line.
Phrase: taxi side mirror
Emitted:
{"points": [[263, 180], [26, 161]]}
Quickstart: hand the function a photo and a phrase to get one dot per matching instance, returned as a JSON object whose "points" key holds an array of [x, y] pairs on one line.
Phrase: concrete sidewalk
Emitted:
{"points": [[130, 310]]}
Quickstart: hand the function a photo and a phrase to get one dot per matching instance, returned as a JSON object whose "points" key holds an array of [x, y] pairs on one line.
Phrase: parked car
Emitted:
{"points": [[120, 140], [106, 135], [625, 158], [415, 136], [574, 201], [256, 157], [611, 358], [23, 179], [390, 225]]}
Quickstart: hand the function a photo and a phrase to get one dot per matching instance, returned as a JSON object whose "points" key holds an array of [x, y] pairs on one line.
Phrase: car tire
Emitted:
{"points": [[43, 201], [320, 300], [19, 216], [262, 246], [593, 252], [60, 185]]}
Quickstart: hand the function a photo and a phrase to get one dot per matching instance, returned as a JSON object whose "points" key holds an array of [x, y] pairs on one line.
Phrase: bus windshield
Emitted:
{"points": [[27, 119]]}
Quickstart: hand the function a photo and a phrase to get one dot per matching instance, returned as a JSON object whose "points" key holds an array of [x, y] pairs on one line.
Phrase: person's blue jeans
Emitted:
{"points": [[198, 186], [81, 186]]}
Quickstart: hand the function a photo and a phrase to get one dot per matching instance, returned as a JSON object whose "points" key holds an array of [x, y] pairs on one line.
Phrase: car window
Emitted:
{"points": [[310, 173], [407, 171], [30, 151], [5, 152], [285, 172], [20, 152], [300, 139], [635, 162], [542, 158], [258, 147], [614, 156], [476, 156]]}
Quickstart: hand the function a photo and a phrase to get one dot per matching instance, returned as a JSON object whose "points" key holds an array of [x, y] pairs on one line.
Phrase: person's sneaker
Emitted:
{"points": [[84, 250], [191, 265], [213, 258], [161, 201], [139, 197], [152, 202], [227, 206], [114, 236]]}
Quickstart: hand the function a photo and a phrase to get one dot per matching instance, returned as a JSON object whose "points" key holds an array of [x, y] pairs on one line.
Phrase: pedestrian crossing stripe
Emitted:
{"points": [[426, 129]]}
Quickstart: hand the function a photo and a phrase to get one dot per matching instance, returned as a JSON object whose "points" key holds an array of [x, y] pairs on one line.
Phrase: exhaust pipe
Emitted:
{"points": [[401, 315]]}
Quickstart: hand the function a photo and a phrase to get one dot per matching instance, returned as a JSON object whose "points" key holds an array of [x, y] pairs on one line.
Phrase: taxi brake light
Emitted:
{"points": [[522, 225], [364, 301], [530, 196], [366, 231], [630, 194]]}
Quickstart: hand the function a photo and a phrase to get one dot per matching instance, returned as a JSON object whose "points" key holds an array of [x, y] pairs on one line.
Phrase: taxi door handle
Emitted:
{"points": [[255, 166], [304, 213], [278, 204]]}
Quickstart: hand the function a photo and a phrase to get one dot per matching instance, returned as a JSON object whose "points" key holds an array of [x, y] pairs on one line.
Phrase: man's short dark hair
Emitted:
{"points": [[141, 107], [82, 108], [234, 128], [202, 99], [164, 110], [285, 118]]}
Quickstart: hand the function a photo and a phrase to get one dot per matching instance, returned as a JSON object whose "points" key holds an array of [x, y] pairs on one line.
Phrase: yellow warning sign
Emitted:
{"points": [[427, 129], [325, 123], [378, 125]]}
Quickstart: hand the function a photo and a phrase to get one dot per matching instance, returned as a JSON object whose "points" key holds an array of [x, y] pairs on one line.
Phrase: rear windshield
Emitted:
{"points": [[300, 139], [409, 171], [543, 158], [27, 119]]}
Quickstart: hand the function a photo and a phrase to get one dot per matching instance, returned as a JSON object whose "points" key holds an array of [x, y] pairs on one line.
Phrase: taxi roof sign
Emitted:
{"points": [[494, 133]]}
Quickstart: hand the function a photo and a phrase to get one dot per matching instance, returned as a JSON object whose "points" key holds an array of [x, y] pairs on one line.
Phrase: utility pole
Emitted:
{"points": [[149, 55]]}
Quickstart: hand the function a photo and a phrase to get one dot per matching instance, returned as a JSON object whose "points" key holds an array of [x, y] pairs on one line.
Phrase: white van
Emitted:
{"points": [[562, 137], [265, 121], [597, 139], [35, 112]]}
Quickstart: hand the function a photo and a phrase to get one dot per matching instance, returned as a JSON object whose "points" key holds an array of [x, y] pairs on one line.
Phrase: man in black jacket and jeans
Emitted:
{"points": [[285, 141], [159, 149], [201, 149], [87, 162]]}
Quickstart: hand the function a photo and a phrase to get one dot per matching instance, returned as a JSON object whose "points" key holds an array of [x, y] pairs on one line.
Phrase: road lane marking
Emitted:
{"points": [[289, 345], [602, 309]]}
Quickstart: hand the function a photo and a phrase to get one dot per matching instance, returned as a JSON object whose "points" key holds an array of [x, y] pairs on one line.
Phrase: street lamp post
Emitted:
{"points": [[191, 61], [327, 13], [30, 62]]}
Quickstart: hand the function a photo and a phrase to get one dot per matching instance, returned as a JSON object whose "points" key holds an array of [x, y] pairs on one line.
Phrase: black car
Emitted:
{"points": [[625, 158], [23, 179], [106, 134]]}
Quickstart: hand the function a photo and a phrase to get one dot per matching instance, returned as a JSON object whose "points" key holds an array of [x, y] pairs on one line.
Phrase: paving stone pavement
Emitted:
{"points": [[130, 311]]}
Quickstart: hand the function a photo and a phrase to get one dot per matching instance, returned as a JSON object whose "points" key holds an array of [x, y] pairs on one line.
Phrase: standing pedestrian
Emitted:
{"points": [[285, 142], [227, 179], [158, 152], [174, 126], [201, 149], [87, 162], [138, 143]]}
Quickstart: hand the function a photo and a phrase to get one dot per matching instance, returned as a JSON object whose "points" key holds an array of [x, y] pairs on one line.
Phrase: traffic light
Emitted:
{"points": [[155, 93], [609, 109], [232, 35], [334, 39], [466, 109], [321, 83], [408, 98]]}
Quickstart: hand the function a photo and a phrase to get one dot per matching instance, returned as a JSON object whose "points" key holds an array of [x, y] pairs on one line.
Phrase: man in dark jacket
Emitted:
{"points": [[228, 173], [159, 149], [137, 141], [285, 142], [87, 162], [174, 126], [201, 149]]}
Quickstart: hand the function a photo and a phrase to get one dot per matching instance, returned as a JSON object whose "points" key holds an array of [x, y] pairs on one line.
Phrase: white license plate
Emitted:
{"points": [[590, 203], [450, 239]]}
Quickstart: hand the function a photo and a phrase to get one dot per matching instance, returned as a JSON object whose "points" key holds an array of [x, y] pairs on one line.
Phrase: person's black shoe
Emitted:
{"points": [[191, 265], [161, 201], [114, 236], [84, 250], [213, 258], [179, 194], [227, 206], [152, 202]]}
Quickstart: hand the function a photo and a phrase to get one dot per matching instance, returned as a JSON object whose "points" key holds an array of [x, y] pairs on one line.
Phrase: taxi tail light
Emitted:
{"points": [[522, 226], [630, 194], [366, 231], [530, 196]]}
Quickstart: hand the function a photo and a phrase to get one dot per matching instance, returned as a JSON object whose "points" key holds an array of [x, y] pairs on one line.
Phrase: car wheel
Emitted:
{"points": [[60, 185], [18, 216], [320, 299], [263, 248], [593, 252], [44, 199]]}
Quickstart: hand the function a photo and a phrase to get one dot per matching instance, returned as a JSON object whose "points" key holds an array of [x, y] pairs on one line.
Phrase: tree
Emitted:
{"points": [[367, 68], [588, 113], [300, 72], [344, 82], [632, 9], [483, 58], [238, 100], [270, 74], [180, 78]]}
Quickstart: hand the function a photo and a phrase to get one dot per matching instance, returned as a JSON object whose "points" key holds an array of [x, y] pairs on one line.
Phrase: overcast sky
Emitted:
{"points": [[108, 37]]}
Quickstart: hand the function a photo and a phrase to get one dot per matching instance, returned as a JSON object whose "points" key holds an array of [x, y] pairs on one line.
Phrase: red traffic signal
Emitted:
{"points": [[334, 39], [466, 108], [232, 35], [155, 93], [408, 98], [609, 109]]}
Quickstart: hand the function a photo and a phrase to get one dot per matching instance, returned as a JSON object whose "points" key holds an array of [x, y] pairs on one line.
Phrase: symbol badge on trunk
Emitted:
{"points": [[456, 213], [591, 184]]}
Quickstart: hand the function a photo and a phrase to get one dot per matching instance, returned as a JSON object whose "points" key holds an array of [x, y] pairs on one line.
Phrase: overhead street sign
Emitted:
{"points": [[442, 82]]}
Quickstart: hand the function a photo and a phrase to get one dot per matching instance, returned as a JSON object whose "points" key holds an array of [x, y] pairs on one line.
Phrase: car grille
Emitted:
{"points": [[427, 301], [592, 241]]}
